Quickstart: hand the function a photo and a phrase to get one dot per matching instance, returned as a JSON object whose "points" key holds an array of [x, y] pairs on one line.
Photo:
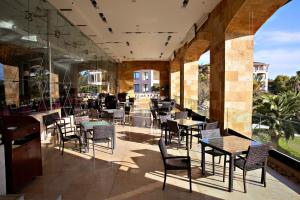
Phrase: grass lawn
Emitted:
{"points": [[292, 147]]}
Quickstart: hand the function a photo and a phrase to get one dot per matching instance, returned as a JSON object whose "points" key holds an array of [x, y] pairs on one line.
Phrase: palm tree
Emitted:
{"points": [[258, 84], [279, 113]]}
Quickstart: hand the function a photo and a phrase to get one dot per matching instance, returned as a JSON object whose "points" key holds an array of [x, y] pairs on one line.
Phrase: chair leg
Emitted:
{"points": [[190, 178], [224, 169], [219, 160], [191, 139], [213, 164], [165, 178], [63, 146], [93, 149], [263, 176], [244, 181], [80, 145]]}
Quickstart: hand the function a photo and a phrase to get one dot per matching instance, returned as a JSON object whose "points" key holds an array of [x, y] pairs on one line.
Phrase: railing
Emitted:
{"points": [[264, 129], [194, 105]]}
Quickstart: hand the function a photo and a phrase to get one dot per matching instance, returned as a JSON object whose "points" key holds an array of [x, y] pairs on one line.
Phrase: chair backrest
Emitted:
{"points": [[173, 126], [127, 109], [198, 117], [163, 149], [153, 112], [79, 119], [55, 116], [119, 114], [48, 120], [164, 118], [60, 132], [94, 113], [211, 125], [181, 115], [189, 112], [102, 132], [257, 154], [212, 133]]}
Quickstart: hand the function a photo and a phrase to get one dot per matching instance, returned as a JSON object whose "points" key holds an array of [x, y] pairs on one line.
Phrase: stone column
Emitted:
{"points": [[232, 81], [191, 76], [181, 82]]}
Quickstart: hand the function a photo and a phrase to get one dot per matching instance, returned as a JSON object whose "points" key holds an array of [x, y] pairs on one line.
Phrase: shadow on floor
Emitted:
{"points": [[78, 176]]}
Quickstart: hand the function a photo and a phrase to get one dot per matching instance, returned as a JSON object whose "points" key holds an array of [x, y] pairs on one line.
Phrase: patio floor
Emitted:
{"points": [[135, 171]]}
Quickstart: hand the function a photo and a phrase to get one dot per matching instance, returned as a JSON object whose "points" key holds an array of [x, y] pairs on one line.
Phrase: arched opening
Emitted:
{"points": [[146, 85]]}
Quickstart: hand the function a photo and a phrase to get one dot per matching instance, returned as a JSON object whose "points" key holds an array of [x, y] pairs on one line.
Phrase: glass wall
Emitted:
{"points": [[41, 55]]}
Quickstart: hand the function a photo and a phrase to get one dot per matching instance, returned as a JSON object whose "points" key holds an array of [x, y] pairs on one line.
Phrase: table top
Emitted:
{"points": [[229, 144], [110, 110], [88, 125], [188, 122]]}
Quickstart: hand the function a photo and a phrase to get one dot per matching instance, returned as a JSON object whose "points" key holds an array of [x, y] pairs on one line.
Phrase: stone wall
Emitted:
{"points": [[11, 85]]}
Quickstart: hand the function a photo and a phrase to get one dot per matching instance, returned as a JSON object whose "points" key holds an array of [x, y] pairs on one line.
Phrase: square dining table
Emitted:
{"points": [[87, 126], [230, 145], [187, 125]]}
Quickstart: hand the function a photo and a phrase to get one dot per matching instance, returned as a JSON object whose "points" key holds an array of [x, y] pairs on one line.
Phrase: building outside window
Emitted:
{"points": [[136, 87], [146, 76], [146, 88], [136, 75]]}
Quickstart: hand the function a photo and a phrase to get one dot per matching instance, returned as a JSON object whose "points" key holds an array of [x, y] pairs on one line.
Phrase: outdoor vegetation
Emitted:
{"points": [[83, 85], [276, 114]]}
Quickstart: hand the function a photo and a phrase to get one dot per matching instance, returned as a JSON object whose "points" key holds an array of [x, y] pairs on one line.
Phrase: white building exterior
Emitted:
{"points": [[261, 70]]}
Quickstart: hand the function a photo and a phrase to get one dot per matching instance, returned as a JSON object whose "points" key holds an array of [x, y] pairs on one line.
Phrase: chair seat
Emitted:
{"points": [[240, 164], [177, 163], [101, 140], [71, 137], [214, 152]]}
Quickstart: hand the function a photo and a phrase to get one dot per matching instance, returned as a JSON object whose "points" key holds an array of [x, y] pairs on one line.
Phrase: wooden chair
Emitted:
{"points": [[174, 163]]}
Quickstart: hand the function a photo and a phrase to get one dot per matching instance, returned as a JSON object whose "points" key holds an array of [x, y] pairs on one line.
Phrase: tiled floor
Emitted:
{"points": [[135, 171]]}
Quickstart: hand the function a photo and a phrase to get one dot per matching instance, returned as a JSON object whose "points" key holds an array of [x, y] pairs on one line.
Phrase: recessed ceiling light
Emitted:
{"points": [[65, 9], [185, 3]]}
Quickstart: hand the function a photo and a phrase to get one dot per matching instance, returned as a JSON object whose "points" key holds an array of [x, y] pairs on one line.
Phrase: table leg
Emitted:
{"points": [[187, 142], [86, 142], [230, 184], [166, 135], [203, 158]]}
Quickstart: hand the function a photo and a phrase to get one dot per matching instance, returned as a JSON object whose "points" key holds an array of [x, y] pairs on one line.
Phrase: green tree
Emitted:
{"points": [[279, 110], [294, 83], [280, 84]]}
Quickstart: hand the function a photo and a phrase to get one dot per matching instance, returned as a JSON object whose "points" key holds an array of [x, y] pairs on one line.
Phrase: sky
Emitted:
{"points": [[277, 42]]}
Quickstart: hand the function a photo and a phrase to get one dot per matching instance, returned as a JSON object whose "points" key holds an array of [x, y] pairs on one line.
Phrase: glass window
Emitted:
{"points": [[136, 88], [136, 75], [146, 88], [146, 76]]}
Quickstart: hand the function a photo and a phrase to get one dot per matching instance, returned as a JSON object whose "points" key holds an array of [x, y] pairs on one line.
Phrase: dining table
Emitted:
{"points": [[187, 125], [232, 146], [87, 126]]}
